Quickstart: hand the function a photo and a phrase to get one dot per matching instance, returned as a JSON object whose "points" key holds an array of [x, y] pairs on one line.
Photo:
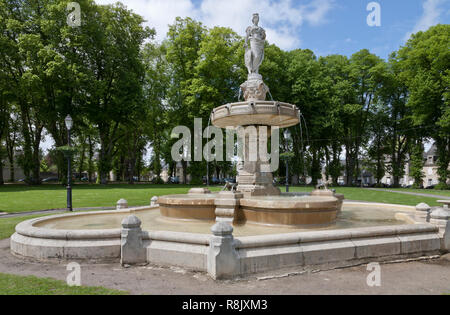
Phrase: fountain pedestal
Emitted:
{"points": [[254, 173]]}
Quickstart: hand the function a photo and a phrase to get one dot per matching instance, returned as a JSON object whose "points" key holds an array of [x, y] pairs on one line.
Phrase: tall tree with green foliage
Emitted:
{"points": [[156, 85], [112, 75], [425, 62], [184, 40], [365, 79]]}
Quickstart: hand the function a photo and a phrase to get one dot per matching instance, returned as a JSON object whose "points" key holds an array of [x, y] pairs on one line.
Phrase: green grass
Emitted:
{"points": [[7, 225], [21, 198], [31, 285], [361, 194], [424, 191]]}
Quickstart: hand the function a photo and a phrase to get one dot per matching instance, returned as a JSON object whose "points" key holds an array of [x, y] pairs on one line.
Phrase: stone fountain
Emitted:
{"points": [[256, 200], [270, 230]]}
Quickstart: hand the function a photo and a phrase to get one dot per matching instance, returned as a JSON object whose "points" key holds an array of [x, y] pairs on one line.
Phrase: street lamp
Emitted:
{"points": [[286, 136], [69, 124]]}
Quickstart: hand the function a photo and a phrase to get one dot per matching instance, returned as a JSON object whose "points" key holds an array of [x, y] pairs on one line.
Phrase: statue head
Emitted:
{"points": [[255, 19]]}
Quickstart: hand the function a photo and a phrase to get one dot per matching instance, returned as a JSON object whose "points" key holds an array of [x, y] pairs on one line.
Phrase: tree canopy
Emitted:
{"points": [[125, 93]]}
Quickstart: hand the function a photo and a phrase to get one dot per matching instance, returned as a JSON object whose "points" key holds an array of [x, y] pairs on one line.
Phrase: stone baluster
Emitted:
{"points": [[446, 239], [223, 259], [132, 250], [154, 201], [423, 212], [122, 204], [441, 217]]}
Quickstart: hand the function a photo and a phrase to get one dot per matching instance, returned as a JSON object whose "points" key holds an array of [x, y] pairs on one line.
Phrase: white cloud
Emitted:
{"points": [[315, 12], [432, 10], [158, 13], [281, 19]]}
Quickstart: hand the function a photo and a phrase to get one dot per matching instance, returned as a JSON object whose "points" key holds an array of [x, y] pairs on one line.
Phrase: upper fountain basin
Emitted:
{"points": [[255, 112]]}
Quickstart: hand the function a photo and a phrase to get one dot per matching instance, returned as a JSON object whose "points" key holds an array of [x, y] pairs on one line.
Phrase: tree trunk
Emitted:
{"points": [[80, 167], [12, 175], [315, 167], [10, 146], [442, 145], [1, 173], [91, 157], [36, 164], [184, 167]]}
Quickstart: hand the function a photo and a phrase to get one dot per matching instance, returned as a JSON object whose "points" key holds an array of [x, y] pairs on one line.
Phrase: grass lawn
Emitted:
{"points": [[7, 225], [15, 198], [425, 191], [30, 285], [20, 198], [361, 194]]}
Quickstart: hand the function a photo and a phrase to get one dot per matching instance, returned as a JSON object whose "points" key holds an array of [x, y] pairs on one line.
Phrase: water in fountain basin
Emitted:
{"points": [[351, 217]]}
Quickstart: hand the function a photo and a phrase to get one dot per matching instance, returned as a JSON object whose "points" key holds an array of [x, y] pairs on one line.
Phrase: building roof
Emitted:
{"points": [[431, 152]]}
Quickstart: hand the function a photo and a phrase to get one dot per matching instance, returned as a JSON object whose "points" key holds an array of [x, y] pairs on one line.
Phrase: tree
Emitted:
{"points": [[112, 75], [304, 76], [339, 94], [156, 85], [23, 47], [380, 139], [184, 40], [416, 164], [425, 61], [364, 76], [215, 82], [392, 95]]}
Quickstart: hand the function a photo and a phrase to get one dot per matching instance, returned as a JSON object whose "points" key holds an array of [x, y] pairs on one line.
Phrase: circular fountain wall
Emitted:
{"points": [[188, 207], [292, 210], [303, 211]]}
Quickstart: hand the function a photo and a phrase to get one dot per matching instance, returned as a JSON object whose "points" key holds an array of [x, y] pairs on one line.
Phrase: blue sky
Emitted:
{"points": [[324, 26], [346, 30]]}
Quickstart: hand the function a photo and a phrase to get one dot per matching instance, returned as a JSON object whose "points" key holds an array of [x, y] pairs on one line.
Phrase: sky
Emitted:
{"points": [[324, 26]]}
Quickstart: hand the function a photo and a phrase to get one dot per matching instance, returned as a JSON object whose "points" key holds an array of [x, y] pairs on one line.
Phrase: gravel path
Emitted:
{"points": [[419, 277]]}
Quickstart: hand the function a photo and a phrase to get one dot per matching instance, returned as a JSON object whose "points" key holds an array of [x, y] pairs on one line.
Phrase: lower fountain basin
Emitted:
{"points": [[362, 233], [297, 211], [291, 210], [188, 207]]}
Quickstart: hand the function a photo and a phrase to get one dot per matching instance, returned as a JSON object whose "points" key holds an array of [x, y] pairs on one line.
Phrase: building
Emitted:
{"points": [[430, 167], [429, 170], [18, 172]]}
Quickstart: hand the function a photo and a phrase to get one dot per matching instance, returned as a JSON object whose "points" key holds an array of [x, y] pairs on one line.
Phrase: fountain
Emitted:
{"points": [[259, 201], [255, 227]]}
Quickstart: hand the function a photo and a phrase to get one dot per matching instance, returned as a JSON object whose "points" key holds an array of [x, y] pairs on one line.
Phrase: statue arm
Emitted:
{"points": [[247, 32]]}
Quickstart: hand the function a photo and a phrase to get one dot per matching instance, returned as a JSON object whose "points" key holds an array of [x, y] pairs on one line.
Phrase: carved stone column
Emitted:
{"points": [[254, 175], [223, 259], [227, 206], [132, 250]]}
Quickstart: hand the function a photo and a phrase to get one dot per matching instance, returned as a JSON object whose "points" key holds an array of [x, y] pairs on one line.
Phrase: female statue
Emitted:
{"points": [[255, 54]]}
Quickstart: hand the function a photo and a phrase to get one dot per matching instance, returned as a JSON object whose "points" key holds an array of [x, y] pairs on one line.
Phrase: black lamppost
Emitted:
{"points": [[286, 136], [69, 124]]}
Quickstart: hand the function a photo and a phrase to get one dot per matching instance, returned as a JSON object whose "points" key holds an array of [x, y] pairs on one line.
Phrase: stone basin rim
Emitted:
{"points": [[28, 228], [255, 112]]}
